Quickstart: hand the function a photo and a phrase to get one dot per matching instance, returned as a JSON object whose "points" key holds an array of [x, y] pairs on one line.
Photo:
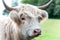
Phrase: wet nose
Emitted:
{"points": [[37, 32]]}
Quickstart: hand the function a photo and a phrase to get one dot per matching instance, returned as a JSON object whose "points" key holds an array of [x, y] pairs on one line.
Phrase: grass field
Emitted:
{"points": [[50, 30]]}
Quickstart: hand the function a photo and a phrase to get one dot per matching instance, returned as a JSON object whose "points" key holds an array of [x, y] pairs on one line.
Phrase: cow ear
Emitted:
{"points": [[43, 16], [14, 16]]}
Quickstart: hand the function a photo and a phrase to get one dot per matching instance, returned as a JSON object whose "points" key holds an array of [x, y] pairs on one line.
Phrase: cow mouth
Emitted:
{"points": [[34, 36]]}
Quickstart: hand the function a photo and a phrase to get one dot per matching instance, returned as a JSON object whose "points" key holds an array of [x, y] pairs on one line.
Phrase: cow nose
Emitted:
{"points": [[37, 32]]}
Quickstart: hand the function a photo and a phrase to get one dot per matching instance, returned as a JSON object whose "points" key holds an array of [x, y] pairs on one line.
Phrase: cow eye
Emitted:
{"points": [[39, 19], [23, 18]]}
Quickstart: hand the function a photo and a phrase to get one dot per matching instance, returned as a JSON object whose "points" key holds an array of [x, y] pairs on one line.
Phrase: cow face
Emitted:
{"points": [[28, 19], [27, 22]]}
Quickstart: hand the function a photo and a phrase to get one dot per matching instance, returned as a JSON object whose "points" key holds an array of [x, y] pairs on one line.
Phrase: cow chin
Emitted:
{"points": [[29, 37], [34, 36]]}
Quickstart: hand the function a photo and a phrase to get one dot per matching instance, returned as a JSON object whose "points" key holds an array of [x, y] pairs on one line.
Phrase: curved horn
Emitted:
{"points": [[7, 7], [45, 6]]}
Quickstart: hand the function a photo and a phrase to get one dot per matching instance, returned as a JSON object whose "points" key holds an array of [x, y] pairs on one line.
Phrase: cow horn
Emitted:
{"points": [[45, 6], [7, 7]]}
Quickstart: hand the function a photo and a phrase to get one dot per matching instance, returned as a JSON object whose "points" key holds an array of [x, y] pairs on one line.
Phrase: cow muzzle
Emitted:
{"points": [[36, 32]]}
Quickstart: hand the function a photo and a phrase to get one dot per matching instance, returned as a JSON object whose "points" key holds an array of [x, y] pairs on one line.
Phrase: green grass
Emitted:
{"points": [[50, 30]]}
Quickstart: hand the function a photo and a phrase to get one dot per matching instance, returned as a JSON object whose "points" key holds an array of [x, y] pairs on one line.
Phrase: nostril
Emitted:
{"points": [[37, 31]]}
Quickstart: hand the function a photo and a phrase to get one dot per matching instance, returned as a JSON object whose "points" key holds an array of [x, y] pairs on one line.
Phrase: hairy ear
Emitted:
{"points": [[43, 16], [14, 16]]}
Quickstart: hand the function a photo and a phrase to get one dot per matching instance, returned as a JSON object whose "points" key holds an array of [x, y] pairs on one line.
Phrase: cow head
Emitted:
{"points": [[27, 22], [28, 18]]}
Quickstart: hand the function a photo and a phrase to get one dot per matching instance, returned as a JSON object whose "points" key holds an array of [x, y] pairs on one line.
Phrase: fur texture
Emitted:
{"points": [[21, 23]]}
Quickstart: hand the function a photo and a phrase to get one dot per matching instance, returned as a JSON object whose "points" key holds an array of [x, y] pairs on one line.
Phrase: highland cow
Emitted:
{"points": [[23, 22]]}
